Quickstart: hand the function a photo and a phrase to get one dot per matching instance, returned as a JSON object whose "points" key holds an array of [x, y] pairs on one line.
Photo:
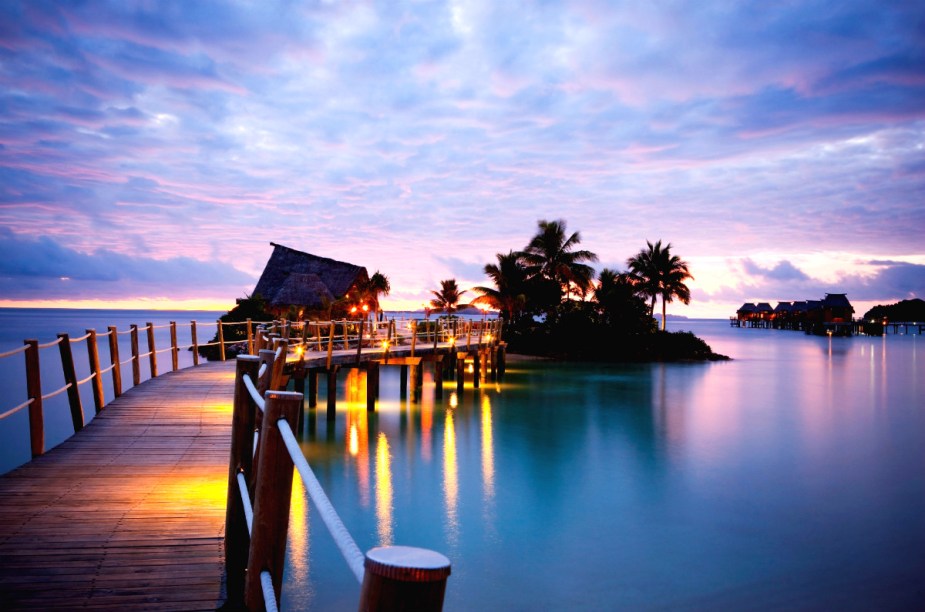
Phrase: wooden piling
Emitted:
{"points": [[152, 351], [136, 357], [404, 578], [414, 335], [330, 346], [237, 539], [250, 338], [174, 349], [221, 340], [372, 384], [93, 355], [360, 344], [272, 497], [477, 369], [70, 378], [438, 376], [312, 375], [332, 392], [114, 361], [34, 392], [194, 339]]}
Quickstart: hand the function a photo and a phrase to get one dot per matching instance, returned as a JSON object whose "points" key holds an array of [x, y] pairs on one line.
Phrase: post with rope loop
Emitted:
{"points": [[136, 364], [152, 351], [194, 340], [34, 391], [272, 495], [174, 350], [114, 361], [221, 340], [70, 378], [93, 354], [237, 539]]}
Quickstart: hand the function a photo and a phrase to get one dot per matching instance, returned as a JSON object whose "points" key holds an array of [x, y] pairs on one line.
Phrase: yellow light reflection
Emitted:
{"points": [[488, 451], [450, 477], [383, 491], [357, 438], [298, 531], [353, 445], [454, 400]]}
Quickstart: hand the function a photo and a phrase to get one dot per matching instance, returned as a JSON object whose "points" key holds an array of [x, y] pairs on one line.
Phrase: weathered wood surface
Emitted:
{"points": [[129, 513]]}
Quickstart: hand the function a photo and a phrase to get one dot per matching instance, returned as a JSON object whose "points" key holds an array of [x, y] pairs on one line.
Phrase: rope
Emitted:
{"points": [[254, 394], [107, 369], [13, 411], [50, 344], [262, 370], [246, 502], [122, 333], [269, 595], [58, 392], [129, 360], [164, 326], [14, 351], [91, 377], [103, 334], [339, 532], [143, 355], [81, 339]]}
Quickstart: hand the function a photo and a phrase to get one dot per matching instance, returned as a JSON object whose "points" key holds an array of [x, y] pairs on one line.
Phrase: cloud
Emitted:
{"points": [[40, 268], [783, 271]]}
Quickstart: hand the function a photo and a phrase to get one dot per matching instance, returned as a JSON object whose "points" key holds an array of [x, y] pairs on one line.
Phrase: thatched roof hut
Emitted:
{"points": [[306, 281]]}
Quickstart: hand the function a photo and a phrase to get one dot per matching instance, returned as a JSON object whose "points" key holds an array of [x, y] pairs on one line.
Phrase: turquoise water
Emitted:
{"points": [[789, 478]]}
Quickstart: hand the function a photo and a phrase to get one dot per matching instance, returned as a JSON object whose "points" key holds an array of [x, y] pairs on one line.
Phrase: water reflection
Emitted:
{"points": [[357, 438], [488, 451], [298, 531], [450, 477], [383, 490]]}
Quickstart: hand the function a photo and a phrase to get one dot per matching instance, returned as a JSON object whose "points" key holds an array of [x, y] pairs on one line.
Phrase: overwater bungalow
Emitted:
{"points": [[307, 285], [830, 313]]}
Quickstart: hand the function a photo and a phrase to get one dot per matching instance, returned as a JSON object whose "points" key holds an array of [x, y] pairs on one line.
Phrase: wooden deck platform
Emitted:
{"points": [[129, 514]]}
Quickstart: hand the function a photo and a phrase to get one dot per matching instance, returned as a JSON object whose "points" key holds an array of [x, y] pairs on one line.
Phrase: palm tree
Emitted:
{"points": [[369, 290], [551, 255], [509, 294], [446, 300], [658, 273], [643, 269]]}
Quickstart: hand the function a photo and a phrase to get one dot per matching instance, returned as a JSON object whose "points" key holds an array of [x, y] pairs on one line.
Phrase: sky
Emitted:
{"points": [[151, 151]]}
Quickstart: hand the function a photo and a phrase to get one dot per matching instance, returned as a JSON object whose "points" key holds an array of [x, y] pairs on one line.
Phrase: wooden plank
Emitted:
{"points": [[129, 513]]}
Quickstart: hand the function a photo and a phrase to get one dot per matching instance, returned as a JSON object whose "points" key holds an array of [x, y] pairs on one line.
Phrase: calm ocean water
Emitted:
{"points": [[789, 478]]}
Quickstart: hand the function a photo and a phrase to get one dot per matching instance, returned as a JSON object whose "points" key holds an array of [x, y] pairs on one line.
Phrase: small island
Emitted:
{"points": [[551, 300]]}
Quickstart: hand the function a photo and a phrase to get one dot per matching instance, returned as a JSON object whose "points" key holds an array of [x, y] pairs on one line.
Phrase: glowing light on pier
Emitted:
{"points": [[383, 490]]}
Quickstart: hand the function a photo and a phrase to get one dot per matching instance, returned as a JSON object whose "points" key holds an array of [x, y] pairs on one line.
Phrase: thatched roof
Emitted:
{"points": [[297, 278]]}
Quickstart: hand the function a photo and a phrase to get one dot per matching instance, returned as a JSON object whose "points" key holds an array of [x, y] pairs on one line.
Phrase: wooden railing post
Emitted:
{"points": [[114, 361], [34, 391], [221, 340], [152, 351], [194, 340], [237, 540], [360, 342], [330, 345], [136, 365], [174, 351], [414, 335], [272, 495], [276, 378], [250, 338], [404, 578], [70, 377], [93, 354]]}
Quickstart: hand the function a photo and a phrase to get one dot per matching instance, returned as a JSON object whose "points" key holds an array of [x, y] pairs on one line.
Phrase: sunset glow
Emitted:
{"points": [[150, 154]]}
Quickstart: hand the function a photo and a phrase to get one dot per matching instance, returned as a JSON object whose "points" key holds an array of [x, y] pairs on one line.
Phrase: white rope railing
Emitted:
{"points": [[342, 537], [87, 379], [107, 370], [50, 344], [255, 395], [13, 411], [81, 339], [14, 351], [246, 501], [58, 392], [262, 370], [269, 594]]}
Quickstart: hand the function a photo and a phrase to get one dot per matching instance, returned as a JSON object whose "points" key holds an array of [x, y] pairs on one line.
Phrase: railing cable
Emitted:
{"points": [[13, 411], [348, 548], [14, 351]]}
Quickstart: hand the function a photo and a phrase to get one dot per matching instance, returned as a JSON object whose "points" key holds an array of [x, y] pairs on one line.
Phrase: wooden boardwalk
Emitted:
{"points": [[130, 513]]}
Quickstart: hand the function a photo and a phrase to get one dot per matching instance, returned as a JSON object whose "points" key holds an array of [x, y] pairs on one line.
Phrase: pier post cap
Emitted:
{"points": [[407, 564], [253, 358]]}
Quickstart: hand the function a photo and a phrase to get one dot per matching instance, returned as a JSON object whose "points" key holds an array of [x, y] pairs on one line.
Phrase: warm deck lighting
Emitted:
{"points": [[385, 344], [452, 341], [365, 308], [353, 310]]}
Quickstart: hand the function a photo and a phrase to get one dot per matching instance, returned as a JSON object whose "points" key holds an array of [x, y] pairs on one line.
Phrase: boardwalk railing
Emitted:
{"points": [[303, 337], [264, 453]]}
